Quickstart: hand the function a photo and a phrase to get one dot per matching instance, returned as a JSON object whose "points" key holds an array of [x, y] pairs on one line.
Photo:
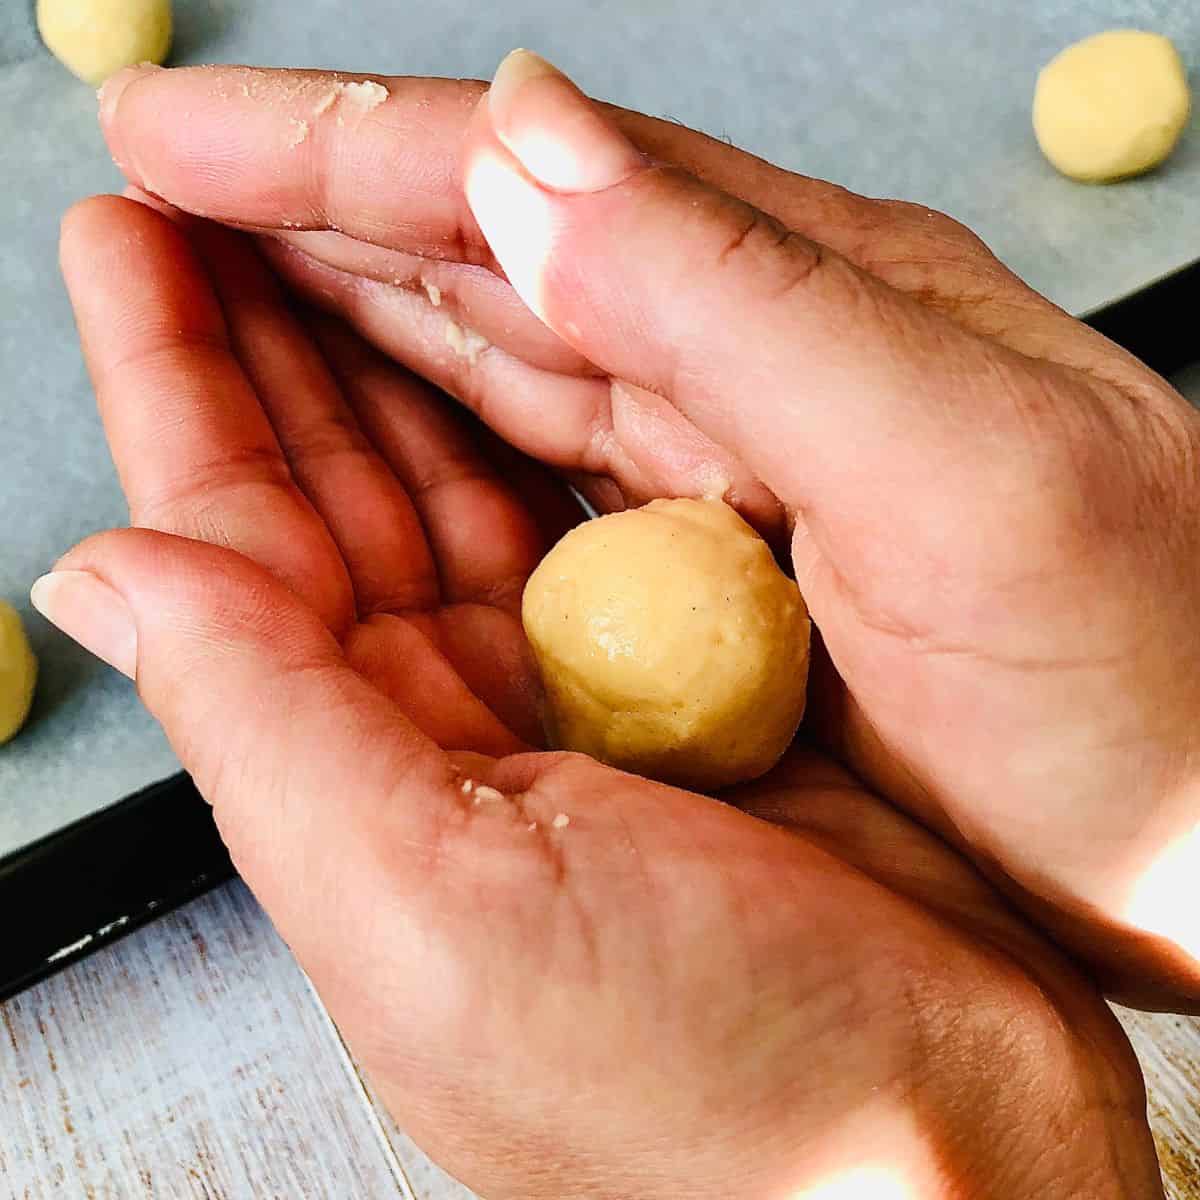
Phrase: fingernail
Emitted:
{"points": [[87, 609], [560, 137], [109, 96]]}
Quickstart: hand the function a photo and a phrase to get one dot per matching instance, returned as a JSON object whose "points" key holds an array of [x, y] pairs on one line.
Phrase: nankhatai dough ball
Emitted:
{"points": [[1112, 105], [18, 673], [670, 644], [96, 38]]}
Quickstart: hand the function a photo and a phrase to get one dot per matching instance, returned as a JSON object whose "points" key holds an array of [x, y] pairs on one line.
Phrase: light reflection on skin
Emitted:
{"points": [[892, 1155], [1166, 898], [517, 219], [861, 1183], [546, 154]]}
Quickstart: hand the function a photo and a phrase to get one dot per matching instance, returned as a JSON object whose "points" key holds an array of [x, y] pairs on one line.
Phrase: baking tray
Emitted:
{"points": [[100, 878]]}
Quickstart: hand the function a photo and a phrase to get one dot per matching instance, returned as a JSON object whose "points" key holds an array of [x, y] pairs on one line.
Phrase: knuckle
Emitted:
{"points": [[1117, 471], [776, 260], [1163, 436], [926, 251], [933, 223]]}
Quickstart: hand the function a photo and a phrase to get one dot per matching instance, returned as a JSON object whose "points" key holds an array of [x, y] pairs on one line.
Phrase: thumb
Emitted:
{"points": [[839, 392], [309, 769]]}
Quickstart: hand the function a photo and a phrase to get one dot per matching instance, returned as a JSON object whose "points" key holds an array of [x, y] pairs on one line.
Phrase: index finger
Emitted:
{"points": [[194, 449], [378, 157], [372, 157]]}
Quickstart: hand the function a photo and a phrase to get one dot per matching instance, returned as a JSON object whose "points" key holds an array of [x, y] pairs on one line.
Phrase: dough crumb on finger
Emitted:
{"points": [[714, 483], [365, 95], [465, 343]]}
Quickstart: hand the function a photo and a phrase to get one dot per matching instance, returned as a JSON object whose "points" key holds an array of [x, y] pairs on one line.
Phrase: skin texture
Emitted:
{"points": [[990, 511]]}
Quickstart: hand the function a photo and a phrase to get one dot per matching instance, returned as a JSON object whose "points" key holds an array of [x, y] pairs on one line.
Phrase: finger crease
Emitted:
{"points": [[259, 467]]}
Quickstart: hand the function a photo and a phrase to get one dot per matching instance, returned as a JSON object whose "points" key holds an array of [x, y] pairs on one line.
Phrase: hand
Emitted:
{"points": [[566, 981], [993, 511]]}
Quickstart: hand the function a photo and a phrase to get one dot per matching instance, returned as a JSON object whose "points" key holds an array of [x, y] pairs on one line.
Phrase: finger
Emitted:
{"points": [[374, 521], [456, 696], [485, 542], [484, 538], [478, 686], [475, 297], [575, 423], [260, 144], [552, 503], [839, 392], [195, 453], [363, 505]]}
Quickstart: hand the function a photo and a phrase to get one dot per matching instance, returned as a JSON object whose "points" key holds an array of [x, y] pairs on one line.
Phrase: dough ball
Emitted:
{"points": [[96, 38], [1112, 105], [18, 673], [670, 644]]}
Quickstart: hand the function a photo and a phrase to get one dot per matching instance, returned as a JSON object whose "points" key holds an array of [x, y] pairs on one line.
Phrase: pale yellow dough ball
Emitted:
{"points": [[96, 38], [670, 644], [18, 673], [1112, 105]]}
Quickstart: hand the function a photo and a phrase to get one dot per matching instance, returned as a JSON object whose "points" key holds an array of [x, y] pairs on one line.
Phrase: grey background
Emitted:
{"points": [[927, 101]]}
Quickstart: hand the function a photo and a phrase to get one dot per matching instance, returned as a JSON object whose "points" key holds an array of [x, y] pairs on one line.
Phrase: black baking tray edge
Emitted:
{"points": [[101, 878], [1158, 323], [93, 881]]}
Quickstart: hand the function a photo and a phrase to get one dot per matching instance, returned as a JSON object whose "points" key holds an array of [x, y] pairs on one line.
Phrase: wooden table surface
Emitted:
{"points": [[193, 1059]]}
